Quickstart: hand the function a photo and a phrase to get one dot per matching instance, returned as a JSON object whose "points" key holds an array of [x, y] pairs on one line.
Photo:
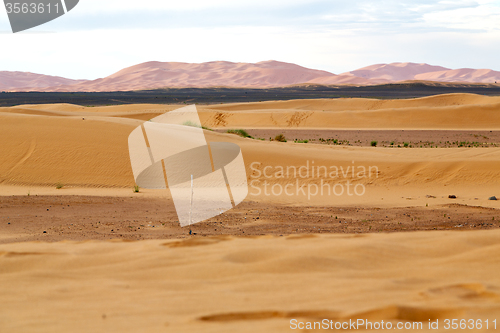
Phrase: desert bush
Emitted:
{"points": [[374, 143], [280, 138], [240, 132], [191, 124]]}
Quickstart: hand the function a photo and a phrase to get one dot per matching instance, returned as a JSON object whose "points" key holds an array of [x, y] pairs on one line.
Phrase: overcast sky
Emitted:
{"points": [[100, 37]]}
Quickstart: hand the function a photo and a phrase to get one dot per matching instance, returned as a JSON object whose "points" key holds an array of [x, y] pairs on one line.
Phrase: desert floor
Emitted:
{"points": [[80, 252]]}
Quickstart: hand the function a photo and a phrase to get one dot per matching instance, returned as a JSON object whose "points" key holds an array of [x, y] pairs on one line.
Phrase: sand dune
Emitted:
{"points": [[398, 71], [153, 75], [266, 74], [452, 111], [359, 104], [254, 283], [407, 71], [461, 75], [230, 284], [31, 81], [45, 145], [346, 79]]}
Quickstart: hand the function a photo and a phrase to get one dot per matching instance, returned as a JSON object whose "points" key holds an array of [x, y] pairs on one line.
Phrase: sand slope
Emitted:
{"points": [[265, 74], [45, 145], [229, 284], [450, 111], [397, 71], [249, 284], [405, 71], [152, 75], [31, 81], [462, 75], [346, 79]]}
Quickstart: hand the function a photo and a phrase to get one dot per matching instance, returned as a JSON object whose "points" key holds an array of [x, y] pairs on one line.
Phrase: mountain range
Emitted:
{"points": [[267, 74]]}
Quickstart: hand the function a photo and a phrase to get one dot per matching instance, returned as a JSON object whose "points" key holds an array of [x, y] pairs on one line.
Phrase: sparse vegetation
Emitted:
{"points": [[59, 186], [334, 141], [240, 132], [374, 143], [280, 138], [301, 141], [191, 124], [406, 144], [136, 189]]}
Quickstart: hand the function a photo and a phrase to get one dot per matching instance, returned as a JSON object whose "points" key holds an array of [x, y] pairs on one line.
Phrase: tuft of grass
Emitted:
{"points": [[406, 144], [240, 132], [280, 138], [59, 186], [301, 141], [374, 143], [191, 124], [136, 189]]}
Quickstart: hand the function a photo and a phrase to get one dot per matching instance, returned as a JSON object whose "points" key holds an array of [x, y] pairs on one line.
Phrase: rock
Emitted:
{"points": [[492, 198], [45, 232], [452, 196]]}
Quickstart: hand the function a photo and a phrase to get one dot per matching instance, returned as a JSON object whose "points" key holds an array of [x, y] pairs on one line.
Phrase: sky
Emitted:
{"points": [[100, 37]]}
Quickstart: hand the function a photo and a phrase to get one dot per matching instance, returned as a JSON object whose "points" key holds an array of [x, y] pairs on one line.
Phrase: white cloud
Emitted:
{"points": [[482, 17], [89, 6], [332, 35]]}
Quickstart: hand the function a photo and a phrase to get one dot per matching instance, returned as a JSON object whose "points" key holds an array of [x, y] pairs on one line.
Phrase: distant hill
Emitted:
{"points": [[153, 75], [267, 74], [29, 81]]}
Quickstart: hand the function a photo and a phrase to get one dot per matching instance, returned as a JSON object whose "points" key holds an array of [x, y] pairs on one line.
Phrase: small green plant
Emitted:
{"points": [[406, 144], [301, 141], [240, 132], [374, 143], [136, 189], [280, 138], [392, 143], [59, 186], [191, 124]]}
